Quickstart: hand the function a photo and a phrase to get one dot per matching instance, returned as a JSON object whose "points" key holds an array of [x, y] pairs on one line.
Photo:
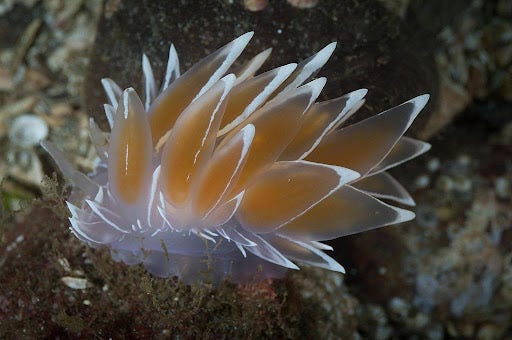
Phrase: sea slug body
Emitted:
{"points": [[220, 172]]}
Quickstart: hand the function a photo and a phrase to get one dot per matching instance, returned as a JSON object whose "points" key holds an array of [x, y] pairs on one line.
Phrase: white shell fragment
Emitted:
{"points": [[74, 282], [28, 130]]}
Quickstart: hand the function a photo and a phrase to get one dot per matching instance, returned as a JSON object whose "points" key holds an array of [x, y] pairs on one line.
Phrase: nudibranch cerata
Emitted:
{"points": [[220, 172]]}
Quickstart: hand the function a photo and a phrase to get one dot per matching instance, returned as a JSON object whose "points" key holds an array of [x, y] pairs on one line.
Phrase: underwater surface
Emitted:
{"points": [[445, 274]]}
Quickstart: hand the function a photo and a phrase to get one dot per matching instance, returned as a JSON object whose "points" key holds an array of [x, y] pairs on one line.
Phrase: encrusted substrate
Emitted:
{"points": [[52, 285]]}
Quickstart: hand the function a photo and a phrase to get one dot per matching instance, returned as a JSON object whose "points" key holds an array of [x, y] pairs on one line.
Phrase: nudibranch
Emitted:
{"points": [[222, 173]]}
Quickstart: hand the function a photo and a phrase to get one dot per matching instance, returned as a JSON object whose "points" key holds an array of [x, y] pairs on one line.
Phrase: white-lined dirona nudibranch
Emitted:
{"points": [[225, 172]]}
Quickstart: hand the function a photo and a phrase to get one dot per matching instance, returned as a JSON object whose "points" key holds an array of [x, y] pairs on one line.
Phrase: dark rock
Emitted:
{"points": [[376, 50]]}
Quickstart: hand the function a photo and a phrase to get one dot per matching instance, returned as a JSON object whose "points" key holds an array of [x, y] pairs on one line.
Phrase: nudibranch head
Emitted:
{"points": [[225, 172]]}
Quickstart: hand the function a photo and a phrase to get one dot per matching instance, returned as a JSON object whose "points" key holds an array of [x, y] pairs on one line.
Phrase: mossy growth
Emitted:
{"points": [[126, 301]]}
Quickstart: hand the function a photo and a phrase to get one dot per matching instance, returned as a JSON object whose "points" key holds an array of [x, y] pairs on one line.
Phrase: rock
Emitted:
{"points": [[379, 52]]}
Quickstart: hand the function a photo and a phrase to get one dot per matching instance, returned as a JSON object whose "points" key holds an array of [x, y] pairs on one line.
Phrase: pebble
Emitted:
{"points": [[462, 184], [399, 306], [16, 108], [61, 109], [433, 164], [14, 244], [27, 130], [464, 160], [303, 3], [422, 181], [255, 5], [502, 187], [64, 263], [74, 282]]}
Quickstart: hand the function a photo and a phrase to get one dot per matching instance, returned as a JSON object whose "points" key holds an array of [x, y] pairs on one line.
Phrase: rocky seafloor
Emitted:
{"points": [[447, 274]]}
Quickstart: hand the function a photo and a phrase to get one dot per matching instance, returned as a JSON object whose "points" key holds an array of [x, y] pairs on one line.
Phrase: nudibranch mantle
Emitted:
{"points": [[224, 173]]}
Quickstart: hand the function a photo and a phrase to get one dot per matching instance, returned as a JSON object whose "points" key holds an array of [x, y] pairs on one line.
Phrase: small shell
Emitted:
{"points": [[28, 130]]}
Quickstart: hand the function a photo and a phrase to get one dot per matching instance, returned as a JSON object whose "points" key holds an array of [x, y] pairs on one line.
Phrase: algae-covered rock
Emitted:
{"points": [[54, 286]]}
